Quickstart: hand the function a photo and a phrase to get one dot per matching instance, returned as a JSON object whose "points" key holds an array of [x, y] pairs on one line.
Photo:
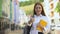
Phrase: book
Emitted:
{"points": [[43, 23]]}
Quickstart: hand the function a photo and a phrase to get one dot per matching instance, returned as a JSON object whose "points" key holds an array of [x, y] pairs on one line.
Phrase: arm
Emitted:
{"points": [[30, 21], [47, 28]]}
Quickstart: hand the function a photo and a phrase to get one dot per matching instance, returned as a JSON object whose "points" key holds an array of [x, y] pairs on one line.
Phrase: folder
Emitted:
{"points": [[43, 23]]}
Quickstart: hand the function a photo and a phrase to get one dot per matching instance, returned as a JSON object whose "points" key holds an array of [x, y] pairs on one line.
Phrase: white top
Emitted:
{"points": [[37, 19]]}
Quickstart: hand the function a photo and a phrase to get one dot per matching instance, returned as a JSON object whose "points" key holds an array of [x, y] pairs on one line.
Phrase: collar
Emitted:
{"points": [[38, 16]]}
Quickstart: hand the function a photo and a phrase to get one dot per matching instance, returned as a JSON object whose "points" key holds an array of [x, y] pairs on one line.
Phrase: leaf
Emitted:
{"points": [[58, 7]]}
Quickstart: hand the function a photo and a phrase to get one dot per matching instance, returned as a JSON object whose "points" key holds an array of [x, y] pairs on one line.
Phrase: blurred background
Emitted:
{"points": [[14, 14]]}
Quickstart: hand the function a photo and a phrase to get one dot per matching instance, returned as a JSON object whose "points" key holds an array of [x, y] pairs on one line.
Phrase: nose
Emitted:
{"points": [[38, 9]]}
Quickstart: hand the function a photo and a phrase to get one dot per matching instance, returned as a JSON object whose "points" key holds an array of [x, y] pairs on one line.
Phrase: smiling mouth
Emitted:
{"points": [[38, 11]]}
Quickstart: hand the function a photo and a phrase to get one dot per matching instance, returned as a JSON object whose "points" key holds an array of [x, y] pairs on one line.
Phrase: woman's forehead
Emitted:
{"points": [[38, 6]]}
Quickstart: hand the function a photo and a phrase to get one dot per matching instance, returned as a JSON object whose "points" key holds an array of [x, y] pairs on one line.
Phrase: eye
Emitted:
{"points": [[39, 8], [36, 7]]}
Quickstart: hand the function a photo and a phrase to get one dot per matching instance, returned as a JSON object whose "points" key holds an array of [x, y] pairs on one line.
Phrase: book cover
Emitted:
{"points": [[43, 23]]}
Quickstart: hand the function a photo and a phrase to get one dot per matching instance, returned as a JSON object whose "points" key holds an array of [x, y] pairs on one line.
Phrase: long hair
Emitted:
{"points": [[42, 9]]}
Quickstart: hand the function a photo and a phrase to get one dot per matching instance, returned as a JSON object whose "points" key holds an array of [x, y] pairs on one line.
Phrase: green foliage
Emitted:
{"points": [[26, 3], [0, 8], [58, 7], [29, 12], [29, 2], [41, 0]]}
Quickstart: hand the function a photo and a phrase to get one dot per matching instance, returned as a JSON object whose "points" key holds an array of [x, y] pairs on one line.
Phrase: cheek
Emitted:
{"points": [[40, 10], [36, 10]]}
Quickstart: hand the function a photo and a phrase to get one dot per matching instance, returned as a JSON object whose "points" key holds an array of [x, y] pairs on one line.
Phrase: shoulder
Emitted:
{"points": [[45, 17]]}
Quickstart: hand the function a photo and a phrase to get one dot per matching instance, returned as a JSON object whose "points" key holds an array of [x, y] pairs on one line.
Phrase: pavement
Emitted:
{"points": [[16, 32], [21, 32]]}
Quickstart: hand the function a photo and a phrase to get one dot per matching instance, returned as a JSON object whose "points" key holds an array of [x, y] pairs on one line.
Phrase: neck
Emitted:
{"points": [[38, 14]]}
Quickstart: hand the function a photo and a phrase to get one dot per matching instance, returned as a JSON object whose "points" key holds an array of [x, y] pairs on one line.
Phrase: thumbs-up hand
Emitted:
{"points": [[31, 20]]}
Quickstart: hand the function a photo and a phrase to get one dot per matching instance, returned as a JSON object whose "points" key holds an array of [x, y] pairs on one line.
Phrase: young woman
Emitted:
{"points": [[38, 15]]}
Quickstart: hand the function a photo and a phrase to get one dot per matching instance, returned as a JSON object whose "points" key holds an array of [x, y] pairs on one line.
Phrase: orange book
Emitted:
{"points": [[43, 23]]}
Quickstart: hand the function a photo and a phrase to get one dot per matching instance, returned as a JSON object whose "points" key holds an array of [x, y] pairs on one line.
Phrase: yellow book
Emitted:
{"points": [[43, 23]]}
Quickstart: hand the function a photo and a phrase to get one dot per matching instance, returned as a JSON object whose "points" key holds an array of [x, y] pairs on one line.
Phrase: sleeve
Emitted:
{"points": [[47, 28]]}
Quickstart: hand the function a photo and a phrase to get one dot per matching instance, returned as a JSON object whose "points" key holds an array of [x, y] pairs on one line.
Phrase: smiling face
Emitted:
{"points": [[38, 9]]}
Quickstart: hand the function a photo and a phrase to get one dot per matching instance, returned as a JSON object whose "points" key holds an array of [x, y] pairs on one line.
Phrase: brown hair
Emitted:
{"points": [[42, 9]]}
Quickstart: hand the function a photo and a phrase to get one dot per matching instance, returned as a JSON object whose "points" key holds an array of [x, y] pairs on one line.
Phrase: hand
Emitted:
{"points": [[40, 26], [31, 20]]}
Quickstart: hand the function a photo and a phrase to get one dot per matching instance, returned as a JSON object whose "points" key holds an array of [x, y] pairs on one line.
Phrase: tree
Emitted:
{"points": [[0, 8], [58, 8], [25, 3]]}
